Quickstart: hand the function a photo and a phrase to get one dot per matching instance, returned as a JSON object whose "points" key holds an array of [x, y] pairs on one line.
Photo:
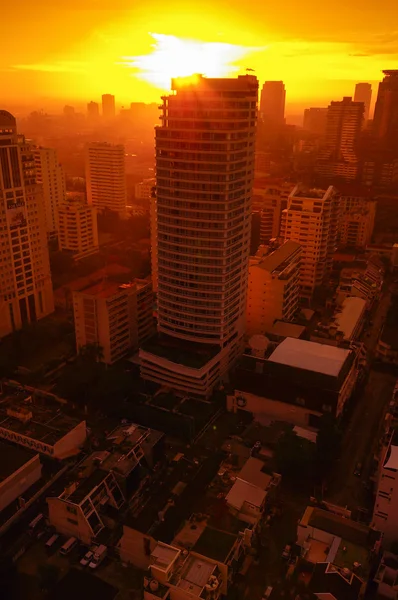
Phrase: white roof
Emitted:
{"points": [[242, 492], [251, 473], [350, 314], [392, 462], [311, 356]]}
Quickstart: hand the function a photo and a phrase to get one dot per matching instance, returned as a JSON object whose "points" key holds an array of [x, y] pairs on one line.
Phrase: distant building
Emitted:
{"points": [[273, 288], [361, 278], [105, 177], [108, 106], [92, 110], [357, 216], [26, 293], [20, 469], [363, 93], [315, 120], [385, 120], [52, 177], [311, 219], [345, 325], [270, 199], [77, 226], [262, 164], [272, 102], [118, 317], [145, 189]]}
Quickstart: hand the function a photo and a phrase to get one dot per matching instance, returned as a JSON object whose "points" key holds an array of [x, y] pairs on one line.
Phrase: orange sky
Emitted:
{"points": [[75, 50]]}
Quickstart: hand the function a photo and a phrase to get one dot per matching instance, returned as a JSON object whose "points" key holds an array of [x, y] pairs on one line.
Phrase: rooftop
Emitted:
{"points": [[106, 288], [12, 458], [198, 82], [348, 316], [310, 356], [283, 329], [242, 492], [252, 472], [214, 543], [279, 259], [189, 354], [302, 191], [28, 414], [350, 531]]}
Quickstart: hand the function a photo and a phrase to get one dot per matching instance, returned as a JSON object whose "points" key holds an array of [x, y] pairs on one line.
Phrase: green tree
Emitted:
{"points": [[294, 456]]}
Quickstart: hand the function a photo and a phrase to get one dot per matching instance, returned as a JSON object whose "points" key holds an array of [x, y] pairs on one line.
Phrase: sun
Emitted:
{"points": [[173, 56]]}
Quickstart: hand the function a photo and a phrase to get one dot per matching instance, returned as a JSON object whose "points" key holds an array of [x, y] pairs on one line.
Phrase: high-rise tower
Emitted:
{"points": [[385, 121], [363, 93], [106, 177], [26, 293], [108, 106], [51, 175], [272, 103], [205, 170]]}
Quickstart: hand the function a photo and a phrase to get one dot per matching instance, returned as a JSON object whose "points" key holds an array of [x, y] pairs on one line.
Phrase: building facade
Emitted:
{"points": [[311, 219], [315, 120], [363, 93], [26, 293], [203, 218], [274, 290], [385, 120], [385, 516], [272, 102], [105, 177], [145, 189], [77, 227], [117, 317], [108, 106], [270, 199], [93, 111], [52, 177]]}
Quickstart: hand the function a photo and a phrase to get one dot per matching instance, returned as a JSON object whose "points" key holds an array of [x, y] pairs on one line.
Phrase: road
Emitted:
{"points": [[363, 431]]}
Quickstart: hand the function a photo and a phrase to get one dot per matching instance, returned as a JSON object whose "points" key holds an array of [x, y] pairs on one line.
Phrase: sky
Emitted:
{"points": [[72, 51]]}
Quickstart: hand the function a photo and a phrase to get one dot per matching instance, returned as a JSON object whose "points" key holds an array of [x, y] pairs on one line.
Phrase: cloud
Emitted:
{"points": [[56, 67]]}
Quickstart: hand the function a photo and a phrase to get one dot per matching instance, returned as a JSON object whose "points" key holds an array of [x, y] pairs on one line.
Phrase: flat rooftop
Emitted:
{"points": [[198, 82], [189, 354], [107, 288], [12, 458], [215, 544], [308, 192], [310, 356], [351, 531], [45, 420], [283, 329], [348, 316], [279, 259]]}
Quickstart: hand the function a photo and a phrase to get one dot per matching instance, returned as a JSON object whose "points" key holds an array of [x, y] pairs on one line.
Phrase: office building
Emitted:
{"points": [[51, 176], [338, 155], [270, 199], [118, 317], [315, 120], [385, 120], [92, 111], [105, 177], [108, 106], [203, 217], [311, 219], [26, 293], [272, 102], [363, 93], [78, 230], [273, 291]]}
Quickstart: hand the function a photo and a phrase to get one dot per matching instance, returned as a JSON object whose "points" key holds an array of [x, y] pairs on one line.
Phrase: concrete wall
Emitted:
{"points": [[18, 482], [66, 522], [71, 443], [132, 547]]}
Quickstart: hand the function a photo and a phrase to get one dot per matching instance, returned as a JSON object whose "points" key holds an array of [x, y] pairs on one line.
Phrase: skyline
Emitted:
{"points": [[132, 52]]}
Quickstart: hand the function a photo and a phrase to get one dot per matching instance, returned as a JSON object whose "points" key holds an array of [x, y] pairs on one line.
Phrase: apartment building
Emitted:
{"points": [[26, 293], [357, 216], [311, 219], [144, 190], [106, 177], [273, 290], [203, 220], [270, 199], [118, 317], [50, 174], [77, 228]]}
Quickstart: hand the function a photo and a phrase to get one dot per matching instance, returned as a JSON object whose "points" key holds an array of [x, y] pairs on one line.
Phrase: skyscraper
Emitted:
{"points": [[315, 120], [78, 231], [108, 106], [51, 175], [363, 93], [92, 110], [26, 293], [311, 219], [385, 121], [105, 176], [338, 157], [204, 170], [272, 103]]}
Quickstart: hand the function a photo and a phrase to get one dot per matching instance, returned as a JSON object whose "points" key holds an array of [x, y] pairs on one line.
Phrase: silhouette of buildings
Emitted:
{"points": [[105, 176], [385, 121], [108, 106], [78, 231], [52, 177], [92, 110], [363, 93], [272, 102], [26, 293], [205, 170], [315, 120]]}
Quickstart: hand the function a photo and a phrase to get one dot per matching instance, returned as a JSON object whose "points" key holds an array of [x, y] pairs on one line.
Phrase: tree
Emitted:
{"points": [[294, 456], [327, 444]]}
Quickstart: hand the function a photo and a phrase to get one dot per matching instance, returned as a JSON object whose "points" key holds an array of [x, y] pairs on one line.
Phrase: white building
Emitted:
{"points": [[203, 220], [78, 230], [145, 189], [311, 219], [52, 177], [117, 317], [106, 177], [274, 290], [26, 292]]}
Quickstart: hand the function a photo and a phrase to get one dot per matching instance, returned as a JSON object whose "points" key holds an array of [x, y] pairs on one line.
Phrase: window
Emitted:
{"points": [[73, 521]]}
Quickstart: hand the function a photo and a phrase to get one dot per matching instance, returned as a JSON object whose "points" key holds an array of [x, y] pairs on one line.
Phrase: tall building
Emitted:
{"points": [[108, 106], [338, 156], [385, 120], [145, 189], [52, 177], [357, 216], [105, 176], [273, 289], [315, 120], [118, 317], [311, 219], [270, 199], [92, 110], [203, 215], [363, 93], [272, 103], [78, 231], [26, 293]]}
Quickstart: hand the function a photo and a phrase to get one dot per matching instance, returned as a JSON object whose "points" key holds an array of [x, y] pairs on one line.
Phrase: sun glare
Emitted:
{"points": [[173, 56]]}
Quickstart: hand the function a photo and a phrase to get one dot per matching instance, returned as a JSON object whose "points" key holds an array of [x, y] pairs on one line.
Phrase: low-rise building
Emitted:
{"points": [[345, 325], [269, 200], [273, 288], [118, 317], [29, 419], [361, 278], [387, 345], [19, 469], [340, 552], [145, 189], [77, 228], [357, 216]]}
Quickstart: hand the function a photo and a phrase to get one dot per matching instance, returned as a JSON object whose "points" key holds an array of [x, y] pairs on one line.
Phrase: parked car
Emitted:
{"points": [[87, 558], [98, 556], [358, 469], [287, 552]]}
